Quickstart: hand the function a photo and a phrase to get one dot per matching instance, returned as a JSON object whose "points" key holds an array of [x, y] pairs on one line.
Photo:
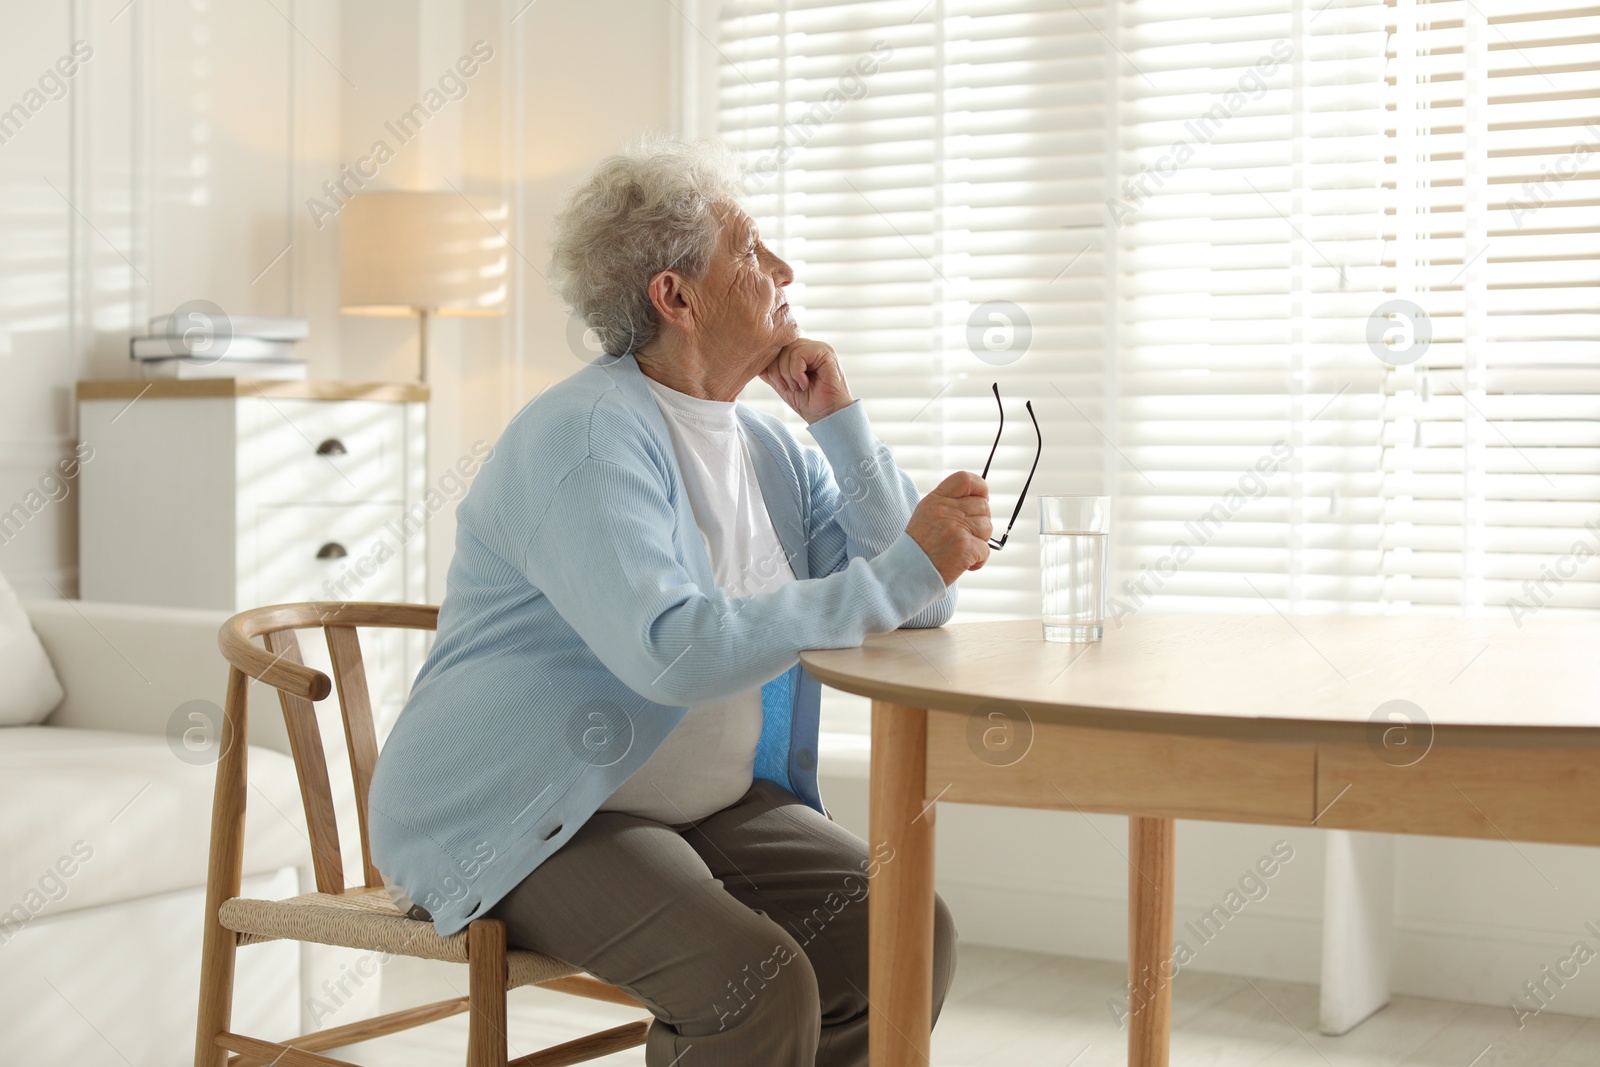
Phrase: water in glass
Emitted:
{"points": [[1074, 577]]}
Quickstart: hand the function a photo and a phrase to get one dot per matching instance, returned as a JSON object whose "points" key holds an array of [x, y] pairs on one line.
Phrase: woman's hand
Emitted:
{"points": [[806, 374], [952, 525]]}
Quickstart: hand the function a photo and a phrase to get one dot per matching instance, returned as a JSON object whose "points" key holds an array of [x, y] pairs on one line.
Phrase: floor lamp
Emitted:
{"points": [[422, 254]]}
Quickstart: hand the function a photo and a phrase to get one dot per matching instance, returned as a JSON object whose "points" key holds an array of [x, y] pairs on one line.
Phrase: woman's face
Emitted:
{"points": [[742, 314]]}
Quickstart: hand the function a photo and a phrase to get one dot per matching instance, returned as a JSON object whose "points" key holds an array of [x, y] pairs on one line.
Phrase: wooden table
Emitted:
{"points": [[1258, 719]]}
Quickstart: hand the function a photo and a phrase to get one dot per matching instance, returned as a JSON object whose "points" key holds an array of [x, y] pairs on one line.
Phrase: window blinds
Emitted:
{"points": [[943, 209], [1492, 229], [1194, 243], [1246, 209]]}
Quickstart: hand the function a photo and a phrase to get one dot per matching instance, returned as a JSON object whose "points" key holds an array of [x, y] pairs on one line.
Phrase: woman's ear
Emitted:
{"points": [[670, 298]]}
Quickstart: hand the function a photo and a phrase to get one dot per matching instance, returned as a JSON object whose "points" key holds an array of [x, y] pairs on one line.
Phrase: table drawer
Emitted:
{"points": [[1520, 794], [975, 759], [321, 452]]}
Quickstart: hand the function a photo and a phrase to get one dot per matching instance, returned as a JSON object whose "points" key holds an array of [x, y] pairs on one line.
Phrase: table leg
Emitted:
{"points": [[1357, 927], [900, 898], [1152, 876]]}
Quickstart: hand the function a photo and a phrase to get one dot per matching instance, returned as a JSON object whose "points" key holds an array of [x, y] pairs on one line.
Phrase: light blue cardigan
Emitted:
{"points": [[580, 619]]}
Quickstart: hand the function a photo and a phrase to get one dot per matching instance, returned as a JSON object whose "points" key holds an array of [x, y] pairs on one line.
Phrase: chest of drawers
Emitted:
{"points": [[231, 493]]}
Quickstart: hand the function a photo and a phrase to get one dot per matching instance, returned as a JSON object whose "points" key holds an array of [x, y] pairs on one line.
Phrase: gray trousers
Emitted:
{"points": [[745, 934]]}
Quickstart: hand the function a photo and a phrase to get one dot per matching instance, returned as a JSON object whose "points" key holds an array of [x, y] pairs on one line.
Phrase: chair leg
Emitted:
{"points": [[216, 992], [486, 992], [224, 871]]}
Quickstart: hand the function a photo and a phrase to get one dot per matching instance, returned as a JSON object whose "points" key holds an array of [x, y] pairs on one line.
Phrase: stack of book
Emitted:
{"points": [[234, 346]]}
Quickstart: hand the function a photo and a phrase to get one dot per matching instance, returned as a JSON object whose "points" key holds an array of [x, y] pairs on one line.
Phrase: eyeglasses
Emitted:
{"points": [[1001, 543]]}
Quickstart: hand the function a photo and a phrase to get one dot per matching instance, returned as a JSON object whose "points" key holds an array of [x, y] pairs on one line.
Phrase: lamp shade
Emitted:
{"points": [[404, 252]]}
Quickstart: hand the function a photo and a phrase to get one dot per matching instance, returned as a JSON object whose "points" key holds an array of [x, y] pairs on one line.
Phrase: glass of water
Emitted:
{"points": [[1072, 561]]}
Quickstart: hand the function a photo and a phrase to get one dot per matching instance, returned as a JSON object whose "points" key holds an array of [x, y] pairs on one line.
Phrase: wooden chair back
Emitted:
{"points": [[277, 662]]}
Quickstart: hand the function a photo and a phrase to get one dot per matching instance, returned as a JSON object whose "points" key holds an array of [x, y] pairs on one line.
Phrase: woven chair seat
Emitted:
{"points": [[370, 920]]}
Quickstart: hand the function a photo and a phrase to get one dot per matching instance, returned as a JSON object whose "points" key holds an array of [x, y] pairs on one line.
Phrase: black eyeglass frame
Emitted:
{"points": [[994, 544]]}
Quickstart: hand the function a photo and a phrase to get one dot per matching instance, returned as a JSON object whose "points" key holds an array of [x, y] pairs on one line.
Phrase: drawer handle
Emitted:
{"points": [[331, 447], [332, 550]]}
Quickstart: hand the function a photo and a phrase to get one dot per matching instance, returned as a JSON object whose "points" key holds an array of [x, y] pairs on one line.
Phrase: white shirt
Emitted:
{"points": [[706, 763]]}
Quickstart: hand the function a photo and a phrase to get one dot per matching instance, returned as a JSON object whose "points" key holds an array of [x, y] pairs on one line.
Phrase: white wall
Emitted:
{"points": [[188, 146], [38, 316], [170, 170]]}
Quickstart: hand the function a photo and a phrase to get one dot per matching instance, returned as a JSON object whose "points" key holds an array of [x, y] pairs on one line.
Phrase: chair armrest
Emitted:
{"points": [[129, 667]]}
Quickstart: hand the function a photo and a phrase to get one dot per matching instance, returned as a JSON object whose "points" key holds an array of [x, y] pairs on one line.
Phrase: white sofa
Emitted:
{"points": [[103, 853]]}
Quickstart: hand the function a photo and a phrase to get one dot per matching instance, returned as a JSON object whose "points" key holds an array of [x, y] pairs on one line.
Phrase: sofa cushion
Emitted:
{"points": [[31, 690], [90, 817]]}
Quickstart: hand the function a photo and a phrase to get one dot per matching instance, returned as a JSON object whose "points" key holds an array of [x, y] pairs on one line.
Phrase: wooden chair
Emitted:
{"points": [[360, 916]]}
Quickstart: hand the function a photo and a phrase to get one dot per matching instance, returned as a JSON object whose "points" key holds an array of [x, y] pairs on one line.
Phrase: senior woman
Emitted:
{"points": [[612, 746]]}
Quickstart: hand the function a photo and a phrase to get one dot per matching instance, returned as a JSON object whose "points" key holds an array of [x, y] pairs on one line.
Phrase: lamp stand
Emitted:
{"points": [[422, 345]]}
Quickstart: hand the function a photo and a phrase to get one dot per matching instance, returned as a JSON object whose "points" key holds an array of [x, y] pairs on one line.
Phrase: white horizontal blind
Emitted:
{"points": [[915, 161], [1206, 221], [1247, 208], [1492, 442]]}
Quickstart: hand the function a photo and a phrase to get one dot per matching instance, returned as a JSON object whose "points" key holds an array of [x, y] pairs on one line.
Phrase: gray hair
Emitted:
{"points": [[642, 211]]}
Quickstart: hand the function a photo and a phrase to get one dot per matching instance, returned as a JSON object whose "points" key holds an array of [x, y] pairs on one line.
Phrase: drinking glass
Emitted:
{"points": [[1072, 561]]}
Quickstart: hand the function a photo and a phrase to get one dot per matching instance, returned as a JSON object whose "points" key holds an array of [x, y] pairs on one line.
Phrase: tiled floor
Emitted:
{"points": [[1021, 1009]]}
